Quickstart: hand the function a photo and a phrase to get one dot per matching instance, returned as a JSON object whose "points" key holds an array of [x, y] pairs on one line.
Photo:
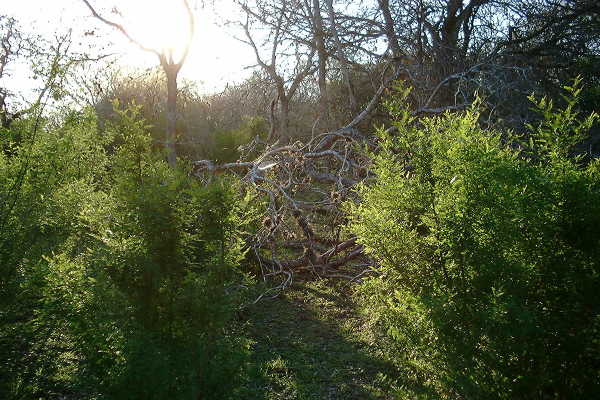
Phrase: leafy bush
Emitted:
{"points": [[226, 143], [122, 273], [490, 256], [45, 167]]}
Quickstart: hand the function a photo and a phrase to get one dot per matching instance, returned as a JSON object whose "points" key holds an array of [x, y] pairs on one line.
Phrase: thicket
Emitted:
{"points": [[119, 275], [208, 126], [489, 251]]}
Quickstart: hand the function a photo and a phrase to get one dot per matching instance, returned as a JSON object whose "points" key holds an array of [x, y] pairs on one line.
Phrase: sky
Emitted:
{"points": [[215, 57]]}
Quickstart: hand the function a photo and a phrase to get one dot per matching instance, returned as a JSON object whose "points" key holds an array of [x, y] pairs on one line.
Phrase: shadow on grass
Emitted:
{"points": [[307, 346]]}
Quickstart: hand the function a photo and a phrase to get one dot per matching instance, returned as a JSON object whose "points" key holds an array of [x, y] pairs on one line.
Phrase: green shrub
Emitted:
{"points": [[124, 271], [46, 167], [490, 257], [226, 143]]}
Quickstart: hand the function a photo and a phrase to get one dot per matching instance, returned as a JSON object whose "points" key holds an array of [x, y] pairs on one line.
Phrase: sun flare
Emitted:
{"points": [[215, 58], [160, 25]]}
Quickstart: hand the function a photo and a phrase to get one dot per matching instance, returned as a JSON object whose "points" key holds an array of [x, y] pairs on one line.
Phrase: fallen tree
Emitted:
{"points": [[304, 185]]}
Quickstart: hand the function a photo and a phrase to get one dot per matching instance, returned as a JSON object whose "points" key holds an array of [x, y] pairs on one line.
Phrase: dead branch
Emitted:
{"points": [[304, 185]]}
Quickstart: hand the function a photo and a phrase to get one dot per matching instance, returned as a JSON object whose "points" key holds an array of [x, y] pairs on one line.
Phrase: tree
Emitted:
{"points": [[171, 68], [341, 56], [279, 50], [11, 45], [446, 51], [49, 61]]}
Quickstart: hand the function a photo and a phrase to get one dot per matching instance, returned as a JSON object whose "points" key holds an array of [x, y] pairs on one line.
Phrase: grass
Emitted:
{"points": [[310, 343]]}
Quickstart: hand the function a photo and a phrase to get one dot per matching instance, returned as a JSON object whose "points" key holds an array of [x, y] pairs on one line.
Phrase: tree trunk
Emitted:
{"points": [[322, 54], [447, 52], [284, 118], [171, 116], [342, 59], [390, 31]]}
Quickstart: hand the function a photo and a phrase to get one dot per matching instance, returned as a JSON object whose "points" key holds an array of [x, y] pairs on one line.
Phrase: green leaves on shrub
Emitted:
{"points": [[227, 143], [560, 130], [123, 271], [489, 257]]}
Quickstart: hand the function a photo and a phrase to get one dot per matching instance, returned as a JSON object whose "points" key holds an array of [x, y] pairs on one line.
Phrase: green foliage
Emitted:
{"points": [[560, 129], [227, 143], [589, 69], [489, 257], [120, 274]]}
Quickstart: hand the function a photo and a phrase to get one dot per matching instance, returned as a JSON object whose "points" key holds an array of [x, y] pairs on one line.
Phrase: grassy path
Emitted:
{"points": [[310, 344]]}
